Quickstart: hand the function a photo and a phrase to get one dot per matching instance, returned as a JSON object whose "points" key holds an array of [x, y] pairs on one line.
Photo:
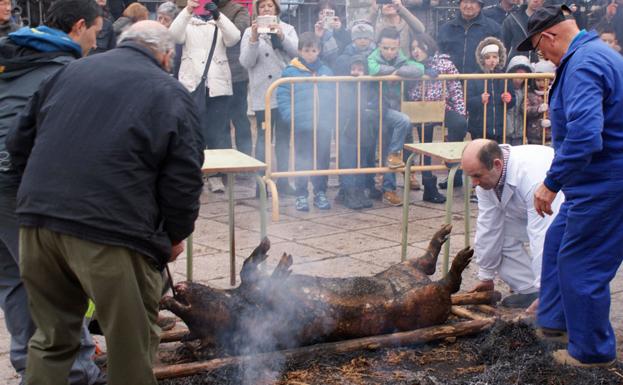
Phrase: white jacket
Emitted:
{"points": [[514, 216], [265, 64], [197, 36]]}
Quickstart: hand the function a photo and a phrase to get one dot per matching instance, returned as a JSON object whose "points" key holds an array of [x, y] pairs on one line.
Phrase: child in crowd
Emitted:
{"points": [[388, 59], [608, 36], [424, 50], [515, 121], [356, 136], [312, 117], [536, 108], [491, 57], [362, 36]]}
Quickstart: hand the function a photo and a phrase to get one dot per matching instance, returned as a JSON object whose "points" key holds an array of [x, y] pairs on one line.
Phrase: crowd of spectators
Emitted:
{"points": [[255, 46]]}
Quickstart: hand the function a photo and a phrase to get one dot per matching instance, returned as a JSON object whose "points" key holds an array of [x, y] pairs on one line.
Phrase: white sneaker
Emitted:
{"points": [[215, 184]]}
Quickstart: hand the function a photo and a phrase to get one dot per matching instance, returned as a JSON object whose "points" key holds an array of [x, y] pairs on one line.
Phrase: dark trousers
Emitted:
{"points": [[456, 126], [304, 159], [237, 115], [281, 138], [215, 123]]}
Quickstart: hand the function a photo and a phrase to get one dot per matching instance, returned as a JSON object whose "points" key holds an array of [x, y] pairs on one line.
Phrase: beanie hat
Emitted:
{"points": [[544, 66], [518, 62], [361, 29], [490, 48]]}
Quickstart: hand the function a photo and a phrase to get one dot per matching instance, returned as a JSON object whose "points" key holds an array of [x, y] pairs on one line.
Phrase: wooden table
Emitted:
{"points": [[450, 153], [231, 162]]}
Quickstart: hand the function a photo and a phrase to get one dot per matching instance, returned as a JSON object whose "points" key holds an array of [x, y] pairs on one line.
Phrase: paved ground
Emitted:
{"points": [[337, 242]]}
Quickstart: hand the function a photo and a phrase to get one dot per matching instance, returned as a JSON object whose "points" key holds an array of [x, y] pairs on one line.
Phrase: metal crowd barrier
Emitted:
{"points": [[412, 111]]}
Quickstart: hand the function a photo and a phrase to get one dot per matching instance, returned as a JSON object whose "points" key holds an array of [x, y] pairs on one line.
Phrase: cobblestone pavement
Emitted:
{"points": [[337, 242]]}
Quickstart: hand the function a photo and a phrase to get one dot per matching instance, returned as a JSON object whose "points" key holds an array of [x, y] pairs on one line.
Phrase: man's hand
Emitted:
{"points": [[191, 5], [486, 285], [319, 29], [485, 97], [543, 198], [534, 306], [176, 250], [506, 97]]}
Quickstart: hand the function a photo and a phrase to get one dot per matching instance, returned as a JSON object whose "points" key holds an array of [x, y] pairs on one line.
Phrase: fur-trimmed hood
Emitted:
{"points": [[485, 42]]}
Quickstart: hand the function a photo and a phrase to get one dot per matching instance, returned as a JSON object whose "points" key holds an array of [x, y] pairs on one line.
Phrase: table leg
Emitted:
{"points": [[405, 207], [232, 235], [449, 199], [468, 213], [262, 187], [189, 258]]}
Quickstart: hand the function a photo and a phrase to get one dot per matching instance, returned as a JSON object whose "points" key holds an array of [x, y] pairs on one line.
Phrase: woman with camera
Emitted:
{"points": [[394, 14], [266, 48]]}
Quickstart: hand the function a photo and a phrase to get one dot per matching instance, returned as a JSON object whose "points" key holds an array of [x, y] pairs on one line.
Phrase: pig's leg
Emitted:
{"points": [[282, 270], [249, 272], [428, 262], [453, 280]]}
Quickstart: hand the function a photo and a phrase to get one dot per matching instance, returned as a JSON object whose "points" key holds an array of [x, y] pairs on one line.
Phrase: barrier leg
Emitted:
{"points": [[405, 207], [262, 188], [189, 258], [232, 231], [449, 199]]}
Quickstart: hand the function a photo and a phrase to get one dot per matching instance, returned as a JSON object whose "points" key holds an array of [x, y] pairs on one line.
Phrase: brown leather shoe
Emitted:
{"points": [[414, 183], [395, 160], [391, 198], [563, 357]]}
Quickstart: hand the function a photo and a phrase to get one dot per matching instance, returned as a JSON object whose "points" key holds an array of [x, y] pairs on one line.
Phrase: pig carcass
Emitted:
{"points": [[284, 310]]}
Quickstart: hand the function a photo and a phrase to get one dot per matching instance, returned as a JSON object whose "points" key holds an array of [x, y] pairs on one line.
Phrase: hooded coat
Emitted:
{"points": [[239, 15], [495, 109], [27, 58]]}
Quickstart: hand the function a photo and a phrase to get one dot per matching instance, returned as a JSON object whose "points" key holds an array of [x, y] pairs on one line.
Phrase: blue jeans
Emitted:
{"points": [[395, 128]]}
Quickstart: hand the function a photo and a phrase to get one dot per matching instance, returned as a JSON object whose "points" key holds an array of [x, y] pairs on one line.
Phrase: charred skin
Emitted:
{"points": [[295, 310]]}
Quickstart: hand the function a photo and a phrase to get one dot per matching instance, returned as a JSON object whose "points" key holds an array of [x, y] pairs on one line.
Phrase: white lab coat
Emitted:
{"points": [[504, 228]]}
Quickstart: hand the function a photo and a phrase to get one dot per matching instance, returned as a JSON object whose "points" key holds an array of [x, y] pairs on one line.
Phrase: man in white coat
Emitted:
{"points": [[509, 233]]}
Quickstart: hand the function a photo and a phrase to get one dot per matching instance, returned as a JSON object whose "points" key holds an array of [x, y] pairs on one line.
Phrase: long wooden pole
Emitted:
{"points": [[417, 336]]}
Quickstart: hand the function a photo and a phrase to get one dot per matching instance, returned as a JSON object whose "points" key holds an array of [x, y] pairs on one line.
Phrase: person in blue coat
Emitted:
{"points": [[310, 108], [582, 249]]}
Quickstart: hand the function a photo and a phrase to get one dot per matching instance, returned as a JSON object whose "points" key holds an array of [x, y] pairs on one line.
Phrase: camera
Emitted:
{"points": [[383, 1], [327, 17], [267, 24]]}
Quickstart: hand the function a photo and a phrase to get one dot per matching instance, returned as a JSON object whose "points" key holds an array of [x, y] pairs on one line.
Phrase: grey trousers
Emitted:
{"points": [[14, 301]]}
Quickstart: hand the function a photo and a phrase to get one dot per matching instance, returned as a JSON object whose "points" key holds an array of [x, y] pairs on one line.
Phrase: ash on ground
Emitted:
{"points": [[509, 353]]}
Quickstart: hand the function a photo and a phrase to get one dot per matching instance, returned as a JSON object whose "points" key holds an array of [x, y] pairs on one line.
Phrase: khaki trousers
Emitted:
{"points": [[60, 273]]}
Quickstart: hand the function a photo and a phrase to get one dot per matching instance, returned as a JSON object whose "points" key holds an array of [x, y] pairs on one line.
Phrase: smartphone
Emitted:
{"points": [[383, 1], [201, 9], [327, 17]]}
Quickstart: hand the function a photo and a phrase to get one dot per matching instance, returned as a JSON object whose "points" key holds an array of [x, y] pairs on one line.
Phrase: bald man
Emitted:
{"points": [[111, 189], [509, 232]]}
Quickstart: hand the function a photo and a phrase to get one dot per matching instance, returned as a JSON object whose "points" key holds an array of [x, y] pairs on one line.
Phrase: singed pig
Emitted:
{"points": [[286, 310]]}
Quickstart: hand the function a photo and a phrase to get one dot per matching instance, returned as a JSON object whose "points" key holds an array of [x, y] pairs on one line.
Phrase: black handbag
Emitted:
{"points": [[199, 95]]}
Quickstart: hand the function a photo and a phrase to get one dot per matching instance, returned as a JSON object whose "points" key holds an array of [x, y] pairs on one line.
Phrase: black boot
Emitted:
{"points": [[431, 194], [364, 201], [458, 180], [351, 199]]}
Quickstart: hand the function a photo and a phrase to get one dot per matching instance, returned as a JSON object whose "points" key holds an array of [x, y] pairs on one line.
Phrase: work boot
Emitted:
{"points": [[458, 180], [552, 335], [431, 194], [519, 301], [395, 160], [391, 198], [351, 199], [563, 357]]}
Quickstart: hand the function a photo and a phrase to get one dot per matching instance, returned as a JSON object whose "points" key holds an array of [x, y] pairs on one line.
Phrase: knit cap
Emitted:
{"points": [[361, 29]]}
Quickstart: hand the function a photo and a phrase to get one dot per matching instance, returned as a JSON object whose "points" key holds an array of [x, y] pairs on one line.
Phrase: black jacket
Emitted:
{"points": [[23, 71], [111, 153], [514, 31], [459, 38]]}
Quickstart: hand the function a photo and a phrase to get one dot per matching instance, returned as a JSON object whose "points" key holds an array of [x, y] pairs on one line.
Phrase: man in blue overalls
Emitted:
{"points": [[584, 245]]}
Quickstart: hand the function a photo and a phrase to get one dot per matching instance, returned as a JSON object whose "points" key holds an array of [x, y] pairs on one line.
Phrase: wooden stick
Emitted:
{"points": [[417, 336], [173, 335], [487, 309], [462, 312], [477, 298]]}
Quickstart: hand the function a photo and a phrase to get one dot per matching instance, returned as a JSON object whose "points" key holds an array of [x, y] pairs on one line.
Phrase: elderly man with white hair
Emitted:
{"points": [[110, 191]]}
